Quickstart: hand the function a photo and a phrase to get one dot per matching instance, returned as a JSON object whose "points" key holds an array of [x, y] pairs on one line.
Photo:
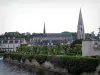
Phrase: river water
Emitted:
{"points": [[7, 69], [10, 69]]}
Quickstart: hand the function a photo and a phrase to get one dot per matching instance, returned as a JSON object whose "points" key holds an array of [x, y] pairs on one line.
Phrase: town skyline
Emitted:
{"points": [[30, 15]]}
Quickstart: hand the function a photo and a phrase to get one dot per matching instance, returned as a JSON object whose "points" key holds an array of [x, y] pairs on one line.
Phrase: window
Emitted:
{"points": [[16, 41], [0, 42], [95, 43], [5, 41], [81, 29], [11, 41]]}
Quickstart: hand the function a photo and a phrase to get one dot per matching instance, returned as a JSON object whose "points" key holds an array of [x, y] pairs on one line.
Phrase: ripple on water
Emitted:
{"points": [[6, 69]]}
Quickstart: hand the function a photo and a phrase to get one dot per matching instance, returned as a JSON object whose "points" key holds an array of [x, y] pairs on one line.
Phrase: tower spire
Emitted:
{"points": [[80, 27], [44, 31], [80, 20], [99, 33]]}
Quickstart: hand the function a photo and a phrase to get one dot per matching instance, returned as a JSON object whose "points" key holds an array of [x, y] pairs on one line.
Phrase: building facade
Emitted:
{"points": [[10, 44], [51, 39], [91, 48], [62, 38]]}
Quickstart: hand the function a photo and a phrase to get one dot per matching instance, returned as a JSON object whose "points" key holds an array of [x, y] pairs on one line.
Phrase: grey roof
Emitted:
{"points": [[58, 35], [53, 35], [89, 39]]}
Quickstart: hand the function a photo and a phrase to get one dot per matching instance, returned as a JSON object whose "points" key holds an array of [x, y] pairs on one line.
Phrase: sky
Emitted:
{"points": [[58, 15]]}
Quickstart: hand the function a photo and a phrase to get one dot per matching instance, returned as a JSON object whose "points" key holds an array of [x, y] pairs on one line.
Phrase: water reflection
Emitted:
{"points": [[7, 69], [11, 69]]}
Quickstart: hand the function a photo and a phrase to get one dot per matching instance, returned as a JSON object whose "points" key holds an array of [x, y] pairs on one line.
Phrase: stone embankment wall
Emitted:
{"points": [[48, 67]]}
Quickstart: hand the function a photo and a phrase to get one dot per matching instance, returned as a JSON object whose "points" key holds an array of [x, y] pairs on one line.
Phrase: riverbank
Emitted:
{"points": [[57, 63], [35, 67]]}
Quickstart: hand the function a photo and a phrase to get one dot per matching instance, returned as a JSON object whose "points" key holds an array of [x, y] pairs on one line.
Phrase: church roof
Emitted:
{"points": [[59, 35], [53, 35], [90, 39]]}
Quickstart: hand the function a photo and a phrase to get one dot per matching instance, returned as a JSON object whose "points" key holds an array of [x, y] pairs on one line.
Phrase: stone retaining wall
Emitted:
{"points": [[47, 67]]}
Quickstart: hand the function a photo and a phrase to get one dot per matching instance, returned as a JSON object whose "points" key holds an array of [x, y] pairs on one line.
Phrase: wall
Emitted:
{"points": [[48, 67], [88, 48]]}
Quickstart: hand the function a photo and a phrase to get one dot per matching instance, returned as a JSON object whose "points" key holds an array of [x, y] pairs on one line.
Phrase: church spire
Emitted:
{"points": [[80, 20], [80, 27], [44, 31]]}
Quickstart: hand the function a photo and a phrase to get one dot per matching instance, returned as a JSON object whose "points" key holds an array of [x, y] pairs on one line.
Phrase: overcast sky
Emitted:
{"points": [[58, 15]]}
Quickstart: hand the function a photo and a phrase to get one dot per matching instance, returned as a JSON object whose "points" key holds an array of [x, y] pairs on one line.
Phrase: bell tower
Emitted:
{"points": [[99, 33], [80, 27]]}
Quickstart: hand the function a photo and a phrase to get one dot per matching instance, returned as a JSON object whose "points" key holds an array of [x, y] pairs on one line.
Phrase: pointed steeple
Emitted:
{"points": [[44, 31], [80, 27], [80, 20]]}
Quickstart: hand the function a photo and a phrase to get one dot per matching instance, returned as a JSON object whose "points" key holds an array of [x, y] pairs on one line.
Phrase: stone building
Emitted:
{"points": [[80, 27], [91, 47], [51, 39], [62, 38], [10, 44]]}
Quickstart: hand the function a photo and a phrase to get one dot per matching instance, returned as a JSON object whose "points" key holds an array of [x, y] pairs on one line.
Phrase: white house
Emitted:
{"points": [[91, 48], [10, 44]]}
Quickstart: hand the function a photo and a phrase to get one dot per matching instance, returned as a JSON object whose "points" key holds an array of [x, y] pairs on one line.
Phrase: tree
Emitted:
{"points": [[79, 41]]}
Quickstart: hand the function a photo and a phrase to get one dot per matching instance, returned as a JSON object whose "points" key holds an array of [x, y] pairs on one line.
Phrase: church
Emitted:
{"points": [[58, 38]]}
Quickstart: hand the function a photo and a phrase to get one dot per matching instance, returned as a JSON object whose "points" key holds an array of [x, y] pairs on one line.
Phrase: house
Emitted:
{"points": [[91, 46], [11, 43]]}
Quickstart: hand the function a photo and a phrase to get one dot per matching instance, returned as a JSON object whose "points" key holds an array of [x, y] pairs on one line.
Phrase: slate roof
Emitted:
{"points": [[53, 35], [90, 39], [58, 35]]}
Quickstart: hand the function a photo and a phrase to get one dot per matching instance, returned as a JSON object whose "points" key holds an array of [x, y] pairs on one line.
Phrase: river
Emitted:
{"points": [[8, 69]]}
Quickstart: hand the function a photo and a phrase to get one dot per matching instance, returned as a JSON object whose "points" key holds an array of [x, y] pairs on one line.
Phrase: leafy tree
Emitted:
{"points": [[79, 41]]}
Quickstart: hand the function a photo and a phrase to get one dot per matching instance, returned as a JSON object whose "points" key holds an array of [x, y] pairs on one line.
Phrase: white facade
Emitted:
{"points": [[10, 44], [90, 48]]}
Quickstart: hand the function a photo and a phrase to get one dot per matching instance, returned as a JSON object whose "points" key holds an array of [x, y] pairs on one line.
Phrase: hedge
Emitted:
{"points": [[74, 64]]}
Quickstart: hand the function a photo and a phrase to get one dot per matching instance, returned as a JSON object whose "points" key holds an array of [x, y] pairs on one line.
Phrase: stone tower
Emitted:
{"points": [[44, 31], [80, 27], [99, 33]]}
